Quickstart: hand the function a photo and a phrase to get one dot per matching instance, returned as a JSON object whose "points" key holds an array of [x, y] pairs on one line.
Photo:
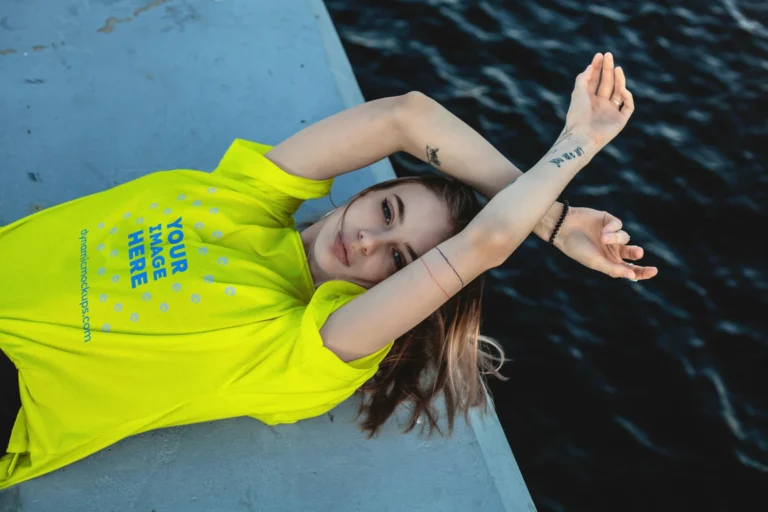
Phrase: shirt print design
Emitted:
{"points": [[154, 254]]}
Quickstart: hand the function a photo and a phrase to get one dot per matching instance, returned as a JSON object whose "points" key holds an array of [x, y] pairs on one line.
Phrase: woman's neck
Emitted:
{"points": [[308, 240]]}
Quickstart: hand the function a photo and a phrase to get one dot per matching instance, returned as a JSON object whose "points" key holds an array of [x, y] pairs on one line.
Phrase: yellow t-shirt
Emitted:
{"points": [[179, 297]]}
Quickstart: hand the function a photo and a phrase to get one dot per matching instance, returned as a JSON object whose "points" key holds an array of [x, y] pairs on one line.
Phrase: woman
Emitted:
{"points": [[185, 296]]}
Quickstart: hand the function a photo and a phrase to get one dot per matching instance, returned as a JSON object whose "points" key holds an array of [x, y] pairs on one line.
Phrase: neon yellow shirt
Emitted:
{"points": [[179, 297]]}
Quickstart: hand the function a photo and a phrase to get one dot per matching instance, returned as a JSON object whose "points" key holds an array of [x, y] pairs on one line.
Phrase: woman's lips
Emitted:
{"points": [[340, 250]]}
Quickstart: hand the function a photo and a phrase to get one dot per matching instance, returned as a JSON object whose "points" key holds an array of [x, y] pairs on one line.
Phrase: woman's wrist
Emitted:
{"points": [[547, 224]]}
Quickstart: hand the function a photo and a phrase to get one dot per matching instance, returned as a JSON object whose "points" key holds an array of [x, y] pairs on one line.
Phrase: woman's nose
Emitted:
{"points": [[370, 239]]}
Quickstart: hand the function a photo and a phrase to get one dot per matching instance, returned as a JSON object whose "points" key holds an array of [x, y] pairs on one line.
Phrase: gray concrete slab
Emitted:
{"points": [[96, 93]]}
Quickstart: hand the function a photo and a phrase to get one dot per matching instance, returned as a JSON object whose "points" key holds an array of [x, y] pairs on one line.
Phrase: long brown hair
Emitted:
{"points": [[445, 353]]}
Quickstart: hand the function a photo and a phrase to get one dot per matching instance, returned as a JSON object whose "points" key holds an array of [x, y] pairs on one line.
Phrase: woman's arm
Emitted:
{"points": [[436, 136], [366, 133], [403, 300]]}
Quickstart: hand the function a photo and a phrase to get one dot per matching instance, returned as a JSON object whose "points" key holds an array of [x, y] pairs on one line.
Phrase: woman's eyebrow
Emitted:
{"points": [[401, 216], [400, 209]]}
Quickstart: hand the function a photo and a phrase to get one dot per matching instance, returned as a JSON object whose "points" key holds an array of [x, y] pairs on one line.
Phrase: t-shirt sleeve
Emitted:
{"points": [[318, 380], [315, 357], [245, 162]]}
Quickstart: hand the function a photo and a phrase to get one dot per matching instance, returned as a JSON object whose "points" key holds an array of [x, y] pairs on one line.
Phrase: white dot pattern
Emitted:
{"points": [[195, 297]]}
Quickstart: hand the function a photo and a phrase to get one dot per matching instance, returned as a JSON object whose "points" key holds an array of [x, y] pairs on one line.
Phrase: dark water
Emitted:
{"points": [[623, 396]]}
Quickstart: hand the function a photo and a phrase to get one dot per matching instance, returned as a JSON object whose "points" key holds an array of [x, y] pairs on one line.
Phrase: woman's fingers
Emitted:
{"points": [[628, 270], [631, 252], [617, 270], [594, 80], [621, 90], [619, 237], [620, 81], [582, 79], [610, 223], [642, 272], [605, 89]]}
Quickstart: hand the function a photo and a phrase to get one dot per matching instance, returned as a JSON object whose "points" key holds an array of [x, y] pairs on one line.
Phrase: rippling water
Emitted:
{"points": [[622, 396]]}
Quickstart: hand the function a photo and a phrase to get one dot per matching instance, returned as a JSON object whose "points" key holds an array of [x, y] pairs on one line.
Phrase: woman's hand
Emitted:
{"points": [[595, 239], [601, 105]]}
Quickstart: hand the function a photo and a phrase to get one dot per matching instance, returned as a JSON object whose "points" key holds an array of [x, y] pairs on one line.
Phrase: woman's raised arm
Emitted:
{"points": [[364, 134], [403, 300]]}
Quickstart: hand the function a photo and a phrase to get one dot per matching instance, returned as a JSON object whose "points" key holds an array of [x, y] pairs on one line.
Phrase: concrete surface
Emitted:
{"points": [[96, 93]]}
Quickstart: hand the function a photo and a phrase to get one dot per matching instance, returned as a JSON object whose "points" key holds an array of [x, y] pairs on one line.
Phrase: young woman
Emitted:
{"points": [[186, 296]]}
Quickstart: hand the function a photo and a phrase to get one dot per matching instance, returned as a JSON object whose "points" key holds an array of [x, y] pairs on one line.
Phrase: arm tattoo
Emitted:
{"points": [[432, 156], [568, 155]]}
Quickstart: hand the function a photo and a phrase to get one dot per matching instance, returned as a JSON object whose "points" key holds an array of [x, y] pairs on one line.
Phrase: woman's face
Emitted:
{"points": [[382, 232]]}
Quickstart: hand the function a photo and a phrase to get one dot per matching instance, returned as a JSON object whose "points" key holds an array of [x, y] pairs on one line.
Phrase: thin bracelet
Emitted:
{"points": [[559, 223], [449, 264], [433, 277]]}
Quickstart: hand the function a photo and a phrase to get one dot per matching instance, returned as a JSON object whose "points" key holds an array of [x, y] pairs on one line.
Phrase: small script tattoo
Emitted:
{"points": [[432, 156], [568, 155]]}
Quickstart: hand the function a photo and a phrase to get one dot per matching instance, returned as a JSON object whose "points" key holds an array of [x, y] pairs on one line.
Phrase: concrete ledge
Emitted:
{"points": [[97, 93]]}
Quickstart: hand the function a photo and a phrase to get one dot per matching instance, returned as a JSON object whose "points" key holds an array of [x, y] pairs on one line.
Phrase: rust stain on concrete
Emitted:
{"points": [[7, 51], [39, 47], [150, 5], [109, 26]]}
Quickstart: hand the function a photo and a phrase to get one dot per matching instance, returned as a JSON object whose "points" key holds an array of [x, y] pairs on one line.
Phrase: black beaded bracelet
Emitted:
{"points": [[559, 223]]}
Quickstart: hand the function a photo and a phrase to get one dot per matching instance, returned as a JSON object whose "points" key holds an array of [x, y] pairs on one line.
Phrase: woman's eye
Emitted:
{"points": [[387, 212], [398, 260]]}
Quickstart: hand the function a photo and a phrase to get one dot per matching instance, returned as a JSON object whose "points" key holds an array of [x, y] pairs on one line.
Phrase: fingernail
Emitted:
{"points": [[631, 276]]}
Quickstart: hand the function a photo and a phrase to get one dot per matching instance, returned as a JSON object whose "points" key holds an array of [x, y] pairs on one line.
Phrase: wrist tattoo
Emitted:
{"points": [[568, 155], [432, 156]]}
